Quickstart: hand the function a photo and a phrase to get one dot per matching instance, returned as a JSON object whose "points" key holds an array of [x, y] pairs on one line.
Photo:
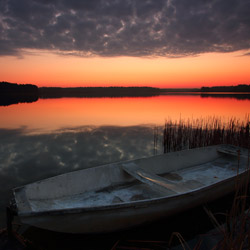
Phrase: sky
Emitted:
{"points": [[158, 43]]}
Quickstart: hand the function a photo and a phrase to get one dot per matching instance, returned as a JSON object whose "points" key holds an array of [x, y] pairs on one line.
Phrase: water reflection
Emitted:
{"points": [[53, 136], [238, 96], [50, 114], [29, 157]]}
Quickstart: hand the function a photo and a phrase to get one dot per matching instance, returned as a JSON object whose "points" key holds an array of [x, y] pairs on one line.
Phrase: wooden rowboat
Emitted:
{"points": [[125, 194]]}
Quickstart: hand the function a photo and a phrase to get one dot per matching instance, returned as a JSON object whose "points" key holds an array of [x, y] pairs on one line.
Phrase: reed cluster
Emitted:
{"points": [[179, 135], [187, 134]]}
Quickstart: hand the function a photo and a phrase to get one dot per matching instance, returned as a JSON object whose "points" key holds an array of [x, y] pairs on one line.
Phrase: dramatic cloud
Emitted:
{"points": [[170, 28]]}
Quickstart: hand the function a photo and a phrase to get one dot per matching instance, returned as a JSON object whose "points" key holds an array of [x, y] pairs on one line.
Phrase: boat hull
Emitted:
{"points": [[200, 176], [126, 216]]}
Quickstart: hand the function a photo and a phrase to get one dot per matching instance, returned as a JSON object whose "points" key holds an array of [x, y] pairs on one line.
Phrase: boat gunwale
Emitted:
{"points": [[117, 163], [135, 204]]}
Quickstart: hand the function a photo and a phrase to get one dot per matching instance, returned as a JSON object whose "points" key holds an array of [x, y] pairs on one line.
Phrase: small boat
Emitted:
{"points": [[125, 194]]}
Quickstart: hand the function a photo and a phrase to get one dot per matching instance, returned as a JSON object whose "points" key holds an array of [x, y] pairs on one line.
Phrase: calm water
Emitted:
{"points": [[48, 115], [52, 136]]}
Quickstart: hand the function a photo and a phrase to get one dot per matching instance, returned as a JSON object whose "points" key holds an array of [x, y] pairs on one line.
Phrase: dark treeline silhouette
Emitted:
{"points": [[12, 93], [238, 88], [180, 90], [52, 92]]}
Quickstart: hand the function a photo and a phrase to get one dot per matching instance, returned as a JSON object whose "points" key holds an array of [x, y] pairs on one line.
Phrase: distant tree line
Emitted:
{"points": [[11, 93], [52, 92], [18, 89], [238, 88]]}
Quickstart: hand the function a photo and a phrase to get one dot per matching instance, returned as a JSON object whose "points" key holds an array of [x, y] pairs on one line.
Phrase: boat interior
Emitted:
{"points": [[138, 183]]}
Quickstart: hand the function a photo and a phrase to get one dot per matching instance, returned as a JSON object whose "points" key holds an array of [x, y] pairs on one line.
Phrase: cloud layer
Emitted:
{"points": [[171, 28]]}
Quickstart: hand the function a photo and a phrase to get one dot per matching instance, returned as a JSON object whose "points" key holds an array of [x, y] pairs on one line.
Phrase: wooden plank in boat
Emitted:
{"points": [[155, 181]]}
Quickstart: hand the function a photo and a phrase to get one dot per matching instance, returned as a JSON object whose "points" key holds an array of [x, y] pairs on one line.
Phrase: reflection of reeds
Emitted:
{"points": [[188, 134], [156, 135]]}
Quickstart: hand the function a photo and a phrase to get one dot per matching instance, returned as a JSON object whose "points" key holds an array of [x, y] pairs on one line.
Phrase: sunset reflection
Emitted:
{"points": [[51, 114]]}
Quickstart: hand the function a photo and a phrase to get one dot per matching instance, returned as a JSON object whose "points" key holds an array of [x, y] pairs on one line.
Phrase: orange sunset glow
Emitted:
{"points": [[73, 112], [165, 44], [145, 99], [44, 68]]}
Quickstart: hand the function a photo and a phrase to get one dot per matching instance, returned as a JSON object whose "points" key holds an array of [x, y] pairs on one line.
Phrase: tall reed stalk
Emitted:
{"points": [[187, 134]]}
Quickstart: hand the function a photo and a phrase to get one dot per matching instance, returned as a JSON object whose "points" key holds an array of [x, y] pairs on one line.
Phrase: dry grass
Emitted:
{"points": [[189, 134], [179, 135]]}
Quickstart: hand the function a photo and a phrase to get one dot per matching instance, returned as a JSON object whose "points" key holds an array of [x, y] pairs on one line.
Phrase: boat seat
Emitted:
{"points": [[156, 182]]}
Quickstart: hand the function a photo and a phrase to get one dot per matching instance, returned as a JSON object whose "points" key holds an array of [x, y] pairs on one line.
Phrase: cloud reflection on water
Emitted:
{"points": [[29, 157]]}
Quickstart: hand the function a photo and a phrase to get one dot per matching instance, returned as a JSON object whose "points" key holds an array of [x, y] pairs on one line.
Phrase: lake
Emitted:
{"points": [[48, 115], [53, 136]]}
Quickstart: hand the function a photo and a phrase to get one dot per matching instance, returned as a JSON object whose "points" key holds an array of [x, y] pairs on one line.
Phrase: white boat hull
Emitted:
{"points": [[64, 213]]}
